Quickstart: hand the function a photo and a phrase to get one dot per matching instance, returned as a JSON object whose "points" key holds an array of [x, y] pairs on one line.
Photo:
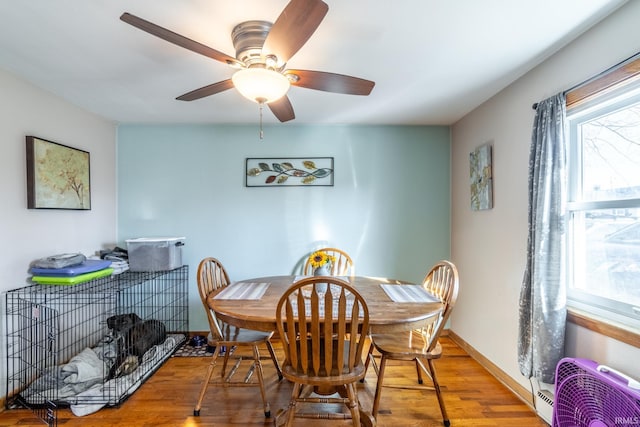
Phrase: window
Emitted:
{"points": [[603, 207]]}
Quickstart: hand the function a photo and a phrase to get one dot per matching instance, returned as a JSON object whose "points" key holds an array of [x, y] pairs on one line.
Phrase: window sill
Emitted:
{"points": [[605, 327]]}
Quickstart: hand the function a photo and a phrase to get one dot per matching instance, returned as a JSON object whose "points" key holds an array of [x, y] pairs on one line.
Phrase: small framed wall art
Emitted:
{"points": [[481, 178], [58, 176], [289, 171]]}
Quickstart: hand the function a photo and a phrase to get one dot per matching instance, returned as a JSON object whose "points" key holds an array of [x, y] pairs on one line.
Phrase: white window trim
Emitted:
{"points": [[619, 313]]}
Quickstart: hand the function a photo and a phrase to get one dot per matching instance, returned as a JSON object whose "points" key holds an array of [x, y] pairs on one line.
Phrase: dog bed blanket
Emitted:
{"points": [[83, 383]]}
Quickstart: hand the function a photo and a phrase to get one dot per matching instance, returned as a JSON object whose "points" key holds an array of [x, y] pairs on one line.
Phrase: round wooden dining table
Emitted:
{"points": [[258, 311]]}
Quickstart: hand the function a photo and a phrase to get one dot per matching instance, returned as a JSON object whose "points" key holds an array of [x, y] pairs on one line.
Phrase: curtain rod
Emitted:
{"points": [[597, 76]]}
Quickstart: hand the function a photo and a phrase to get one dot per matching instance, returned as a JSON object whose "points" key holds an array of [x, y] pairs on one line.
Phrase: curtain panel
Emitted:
{"points": [[542, 311]]}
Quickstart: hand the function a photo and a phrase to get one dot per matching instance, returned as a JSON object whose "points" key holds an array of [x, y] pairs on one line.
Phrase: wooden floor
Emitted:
{"points": [[473, 398]]}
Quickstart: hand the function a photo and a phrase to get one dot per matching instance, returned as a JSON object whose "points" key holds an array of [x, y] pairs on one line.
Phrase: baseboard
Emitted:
{"points": [[522, 392]]}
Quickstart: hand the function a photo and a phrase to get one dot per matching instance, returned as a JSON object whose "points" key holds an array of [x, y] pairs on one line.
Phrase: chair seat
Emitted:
{"points": [[240, 335], [405, 345]]}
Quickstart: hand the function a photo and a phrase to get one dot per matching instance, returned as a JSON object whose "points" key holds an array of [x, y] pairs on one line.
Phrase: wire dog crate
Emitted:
{"points": [[64, 346]]}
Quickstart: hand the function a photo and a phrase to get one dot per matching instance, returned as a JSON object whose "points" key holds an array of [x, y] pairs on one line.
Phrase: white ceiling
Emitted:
{"points": [[433, 61]]}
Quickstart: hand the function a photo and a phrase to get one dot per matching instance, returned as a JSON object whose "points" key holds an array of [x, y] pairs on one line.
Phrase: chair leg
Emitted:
{"points": [[291, 410], [258, 365], [366, 419], [376, 399], [432, 371], [371, 358], [367, 360], [419, 371], [275, 359], [353, 404], [205, 384], [225, 360]]}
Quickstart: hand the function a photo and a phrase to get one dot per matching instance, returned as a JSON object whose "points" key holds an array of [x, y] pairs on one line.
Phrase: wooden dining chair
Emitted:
{"points": [[343, 265], [212, 276], [322, 322], [420, 346]]}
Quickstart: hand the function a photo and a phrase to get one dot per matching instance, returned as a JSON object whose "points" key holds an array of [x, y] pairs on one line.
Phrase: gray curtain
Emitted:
{"points": [[543, 294]]}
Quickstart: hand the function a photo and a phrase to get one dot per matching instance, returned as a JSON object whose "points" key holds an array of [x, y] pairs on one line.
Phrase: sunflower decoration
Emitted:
{"points": [[320, 258]]}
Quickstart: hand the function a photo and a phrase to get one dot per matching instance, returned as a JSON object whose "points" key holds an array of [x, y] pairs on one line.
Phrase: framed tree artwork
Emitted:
{"points": [[481, 178], [58, 176]]}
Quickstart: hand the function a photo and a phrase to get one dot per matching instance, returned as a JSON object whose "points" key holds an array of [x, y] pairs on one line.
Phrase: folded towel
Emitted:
{"points": [[119, 266], [59, 261]]}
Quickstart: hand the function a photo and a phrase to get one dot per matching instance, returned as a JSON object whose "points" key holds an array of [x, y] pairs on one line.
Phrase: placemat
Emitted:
{"points": [[243, 290], [408, 293]]}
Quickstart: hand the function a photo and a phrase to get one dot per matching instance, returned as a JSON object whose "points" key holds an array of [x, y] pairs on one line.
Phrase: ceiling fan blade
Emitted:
{"points": [[209, 90], [282, 109], [297, 22], [330, 82], [177, 39]]}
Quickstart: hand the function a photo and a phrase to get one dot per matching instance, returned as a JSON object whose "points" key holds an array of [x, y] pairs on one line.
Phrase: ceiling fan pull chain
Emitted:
{"points": [[261, 103]]}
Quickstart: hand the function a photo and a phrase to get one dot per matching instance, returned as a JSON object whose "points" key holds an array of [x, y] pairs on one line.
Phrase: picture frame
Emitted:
{"points": [[481, 178], [58, 176], [289, 171]]}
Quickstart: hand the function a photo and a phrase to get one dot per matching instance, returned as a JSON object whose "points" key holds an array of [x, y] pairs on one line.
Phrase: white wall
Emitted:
{"points": [[489, 247], [29, 234]]}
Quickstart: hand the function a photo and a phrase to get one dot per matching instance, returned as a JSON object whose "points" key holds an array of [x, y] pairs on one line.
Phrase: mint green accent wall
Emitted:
{"points": [[389, 206]]}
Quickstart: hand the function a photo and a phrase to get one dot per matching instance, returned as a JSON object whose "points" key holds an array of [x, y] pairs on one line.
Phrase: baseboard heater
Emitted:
{"points": [[544, 405]]}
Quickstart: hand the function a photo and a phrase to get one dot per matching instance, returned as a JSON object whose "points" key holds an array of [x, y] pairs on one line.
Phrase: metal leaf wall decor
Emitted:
{"points": [[316, 171]]}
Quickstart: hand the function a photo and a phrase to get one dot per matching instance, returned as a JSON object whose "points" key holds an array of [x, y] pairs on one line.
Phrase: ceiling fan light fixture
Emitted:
{"points": [[260, 84]]}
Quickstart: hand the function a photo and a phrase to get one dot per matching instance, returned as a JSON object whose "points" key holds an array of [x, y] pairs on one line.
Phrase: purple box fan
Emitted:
{"points": [[592, 395]]}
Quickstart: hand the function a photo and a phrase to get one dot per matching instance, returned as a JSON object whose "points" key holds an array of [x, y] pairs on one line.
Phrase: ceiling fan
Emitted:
{"points": [[262, 51]]}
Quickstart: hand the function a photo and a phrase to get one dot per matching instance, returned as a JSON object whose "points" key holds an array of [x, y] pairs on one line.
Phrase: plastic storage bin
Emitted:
{"points": [[155, 253]]}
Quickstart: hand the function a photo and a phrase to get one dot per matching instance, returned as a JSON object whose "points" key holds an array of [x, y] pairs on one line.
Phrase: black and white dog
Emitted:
{"points": [[133, 337]]}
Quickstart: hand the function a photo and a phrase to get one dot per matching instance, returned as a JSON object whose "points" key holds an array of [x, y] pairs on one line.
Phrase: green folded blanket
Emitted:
{"points": [[71, 280]]}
